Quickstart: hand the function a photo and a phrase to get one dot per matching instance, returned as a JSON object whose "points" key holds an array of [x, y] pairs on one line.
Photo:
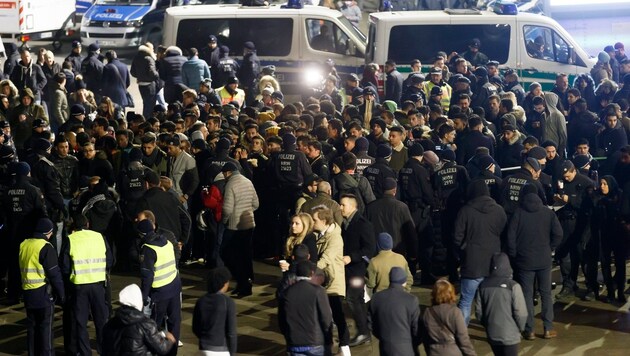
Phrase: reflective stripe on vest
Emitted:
{"points": [[88, 256], [164, 270], [32, 271]]}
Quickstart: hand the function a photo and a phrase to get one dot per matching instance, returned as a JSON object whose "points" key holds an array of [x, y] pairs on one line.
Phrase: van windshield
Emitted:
{"points": [[123, 2], [353, 29]]}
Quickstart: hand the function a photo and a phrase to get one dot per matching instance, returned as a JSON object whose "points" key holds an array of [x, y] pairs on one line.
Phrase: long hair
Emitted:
{"points": [[443, 292], [295, 240]]}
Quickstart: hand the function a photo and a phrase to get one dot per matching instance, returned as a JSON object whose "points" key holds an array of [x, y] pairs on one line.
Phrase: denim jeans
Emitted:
{"points": [[468, 290], [313, 351], [526, 280]]}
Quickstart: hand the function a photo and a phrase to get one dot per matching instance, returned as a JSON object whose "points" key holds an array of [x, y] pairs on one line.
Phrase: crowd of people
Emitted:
{"points": [[458, 172]]}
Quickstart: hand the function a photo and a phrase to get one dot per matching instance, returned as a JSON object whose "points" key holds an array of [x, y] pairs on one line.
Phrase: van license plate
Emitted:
{"points": [[45, 34], [106, 43]]}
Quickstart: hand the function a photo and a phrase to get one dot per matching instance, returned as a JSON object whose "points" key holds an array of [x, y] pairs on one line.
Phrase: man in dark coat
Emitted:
{"points": [[92, 70], [394, 316], [28, 74], [393, 82], [211, 54], [115, 80], [171, 74], [377, 173], [477, 237], [144, 69], [392, 216], [249, 71], [75, 57], [533, 234], [359, 245], [474, 139]]}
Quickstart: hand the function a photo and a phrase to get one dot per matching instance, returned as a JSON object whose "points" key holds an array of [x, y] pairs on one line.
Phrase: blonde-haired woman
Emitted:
{"points": [[444, 331], [301, 232]]}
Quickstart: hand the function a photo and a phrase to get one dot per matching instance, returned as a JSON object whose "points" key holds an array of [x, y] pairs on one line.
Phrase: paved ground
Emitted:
{"points": [[585, 328]]}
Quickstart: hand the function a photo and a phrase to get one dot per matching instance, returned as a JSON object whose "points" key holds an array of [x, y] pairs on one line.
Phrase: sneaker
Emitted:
{"points": [[564, 292], [529, 335], [550, 334], [589, 296], [179, 343], [359, 340]]}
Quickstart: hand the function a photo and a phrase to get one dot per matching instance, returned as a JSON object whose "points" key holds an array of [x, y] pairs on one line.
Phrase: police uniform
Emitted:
{"points": [[40, 275], [376, 175], [22, 204], [86, 259], [363, 161], [417, 193], [160, 280], [449, 184], [512, 186]]}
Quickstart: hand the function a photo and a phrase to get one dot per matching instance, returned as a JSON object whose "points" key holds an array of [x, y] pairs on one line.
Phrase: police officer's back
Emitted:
{"points": [[290, 166], [512, 185], [380, 170], [415, 181], [40, 277]]}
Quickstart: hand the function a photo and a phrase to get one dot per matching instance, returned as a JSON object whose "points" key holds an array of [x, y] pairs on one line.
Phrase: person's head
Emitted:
{"points": [[447, 133], [535, 89], [443, 292], [568, 171], [173, 144], [301, 225], [611, 120], [43, 228], [582, 147], [322, 218], [538, 104], [397, 276], [396, 136], [435, 76], [131, 296], [573, 95], [348, 204], [89, 152], [532, 166], [562, 81], [25, 55], [416, 65], [493, 103], [624, 158], [219, 280], [62, 147]]}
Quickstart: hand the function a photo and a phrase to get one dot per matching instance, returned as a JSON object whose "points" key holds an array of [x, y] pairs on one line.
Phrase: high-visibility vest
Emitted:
{"points": [[89, 257], [227, 98], [165, 269], [33, 274]]}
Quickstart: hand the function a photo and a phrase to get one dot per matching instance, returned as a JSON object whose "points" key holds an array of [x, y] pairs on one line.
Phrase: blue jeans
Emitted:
{"points": [[526, 280], [313, 351], [468, 290]]}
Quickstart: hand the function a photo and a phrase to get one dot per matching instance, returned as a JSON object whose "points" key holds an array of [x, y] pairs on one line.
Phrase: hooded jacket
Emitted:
{"points": [[533, 233], [130, 332], [29, 75], [143, 66], [478, 231], [555, 124], [500, 304]]}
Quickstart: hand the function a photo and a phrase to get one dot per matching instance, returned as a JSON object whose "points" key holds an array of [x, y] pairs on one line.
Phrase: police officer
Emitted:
{"points": [[417, 193], [380, 170], [361, 146], [22, 204], [40, 276], [512, 185], [47, 178], [573, 193], [85, 261], [227, 67], [289, 168], [249, 71], [449, 184], [540, 154], [487, 168], [212, 166], [161, 286]]}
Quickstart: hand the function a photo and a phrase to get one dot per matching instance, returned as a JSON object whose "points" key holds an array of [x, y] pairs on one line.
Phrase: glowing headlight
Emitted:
{"points": [[313, 76], [134, 23]]}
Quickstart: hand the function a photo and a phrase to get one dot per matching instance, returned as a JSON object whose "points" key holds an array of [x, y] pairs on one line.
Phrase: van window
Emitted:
{"points": [[407, 42], [272, 36], [546, 44], [326, 36]]}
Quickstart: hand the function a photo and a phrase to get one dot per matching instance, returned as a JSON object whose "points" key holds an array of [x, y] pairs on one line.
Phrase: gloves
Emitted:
{"points": [[147, 308]]}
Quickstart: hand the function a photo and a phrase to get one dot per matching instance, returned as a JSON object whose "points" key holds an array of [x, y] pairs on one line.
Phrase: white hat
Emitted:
{"points": [[131, 296]]}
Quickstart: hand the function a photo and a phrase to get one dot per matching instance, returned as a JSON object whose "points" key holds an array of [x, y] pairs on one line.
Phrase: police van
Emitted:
{"points": [[35, 19], [536, 46], [297, 41], [124, 23]]}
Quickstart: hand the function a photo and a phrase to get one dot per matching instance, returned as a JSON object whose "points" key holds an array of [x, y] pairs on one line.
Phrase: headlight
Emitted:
{"points": [[134, 23], [313, 76], [85, 21]]}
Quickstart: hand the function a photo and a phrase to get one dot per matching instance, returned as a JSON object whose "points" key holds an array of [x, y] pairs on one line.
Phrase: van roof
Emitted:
{"points": [[410, 16], [233, 9]]}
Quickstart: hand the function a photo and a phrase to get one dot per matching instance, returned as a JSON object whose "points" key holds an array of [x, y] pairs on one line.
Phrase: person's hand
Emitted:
{"points": [[180, 245], [284, 265], [170, 337], [346, 260], [22, 117]]}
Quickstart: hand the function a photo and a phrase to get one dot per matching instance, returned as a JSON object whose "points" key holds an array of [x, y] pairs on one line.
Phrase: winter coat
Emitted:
{"points": [[143, 66], [395, 314], [92, 70], [611, 140], [194, 71], [30, 76], [471, 142], [323, 199], [59, 110], [390, 215], [533, 233], [50, 72], [444, 331], [171, 73], [249, 70], [12, 60], [130, 332], [239, 203], [379, 267], [214, 323], [115, 82], [509, 153], [394, 86], [330, 251], [500, 304], [358, 242], [555, 123], [600, 72], [163, 204], [478, 235]]}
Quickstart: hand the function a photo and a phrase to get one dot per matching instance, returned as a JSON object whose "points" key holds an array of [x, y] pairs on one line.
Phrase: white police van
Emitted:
{"points": [[536, 46], [288, 38]]}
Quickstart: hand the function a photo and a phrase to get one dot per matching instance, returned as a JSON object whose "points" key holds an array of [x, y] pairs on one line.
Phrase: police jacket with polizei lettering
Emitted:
{"points": [[376, 175], [512, 186], [363, 161], [132, 182], [451, 178], [415, 183], [23, 199], [578, 191], [289, 168], [213, 165], [493, 182]]}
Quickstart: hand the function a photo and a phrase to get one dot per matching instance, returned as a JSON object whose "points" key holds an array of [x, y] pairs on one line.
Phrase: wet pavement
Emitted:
{"points": [[584, 328]]}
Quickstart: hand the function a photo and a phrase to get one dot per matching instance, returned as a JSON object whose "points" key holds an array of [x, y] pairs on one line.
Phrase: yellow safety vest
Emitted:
{"points": [[226, 97], [33, 274], [165, 269], [89, 257]]}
